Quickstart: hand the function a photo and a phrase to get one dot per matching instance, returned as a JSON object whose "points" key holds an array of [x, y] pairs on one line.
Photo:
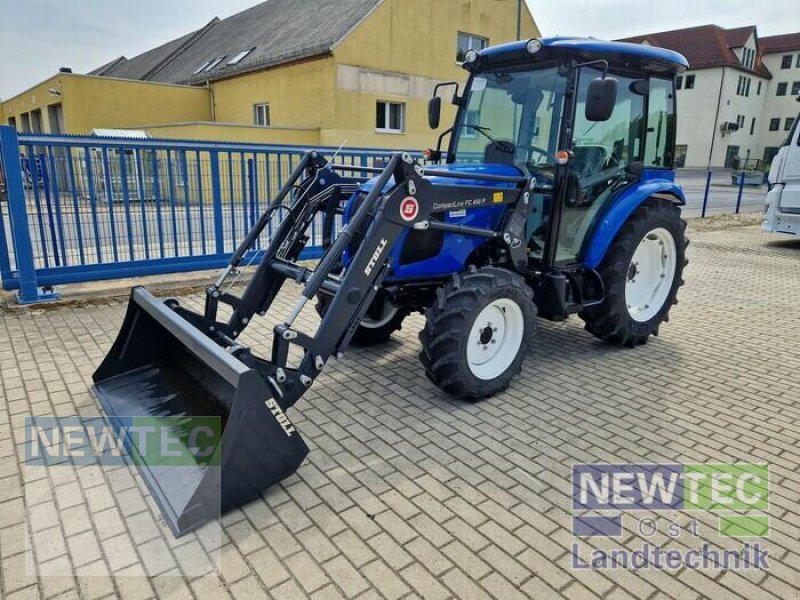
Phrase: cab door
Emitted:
{"points": [[603, 152]]}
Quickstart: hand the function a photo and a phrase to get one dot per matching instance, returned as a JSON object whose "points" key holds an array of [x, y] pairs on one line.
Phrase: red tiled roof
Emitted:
{"points": [[706, 46], [780, 43]]}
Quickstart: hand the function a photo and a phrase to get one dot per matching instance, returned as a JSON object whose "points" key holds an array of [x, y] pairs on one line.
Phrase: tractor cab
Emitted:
{"points": [[582, 118]]}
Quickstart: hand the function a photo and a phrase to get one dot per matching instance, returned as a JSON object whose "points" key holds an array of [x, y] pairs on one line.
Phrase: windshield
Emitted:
{"points": [[512, 117]]}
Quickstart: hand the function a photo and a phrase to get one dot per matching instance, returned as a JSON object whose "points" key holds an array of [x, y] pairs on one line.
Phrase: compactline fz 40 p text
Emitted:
{"points": [[554, 195]]}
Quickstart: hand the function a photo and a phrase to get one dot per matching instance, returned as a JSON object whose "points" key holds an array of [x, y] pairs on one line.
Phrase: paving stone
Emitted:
{"points": [[345, 576], [423, 583], [306, 572]]}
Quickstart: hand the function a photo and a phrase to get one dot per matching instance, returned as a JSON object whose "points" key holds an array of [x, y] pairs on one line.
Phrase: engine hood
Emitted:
{"points": [[488, 169]]}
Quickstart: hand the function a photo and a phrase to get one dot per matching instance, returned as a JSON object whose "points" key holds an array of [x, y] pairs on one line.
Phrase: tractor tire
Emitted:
{"points": [[642, 272], [371, 331], [477, 332]]}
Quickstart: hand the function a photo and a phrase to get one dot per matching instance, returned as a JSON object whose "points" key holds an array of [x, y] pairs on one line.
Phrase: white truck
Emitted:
{"points": [[782, 208]]}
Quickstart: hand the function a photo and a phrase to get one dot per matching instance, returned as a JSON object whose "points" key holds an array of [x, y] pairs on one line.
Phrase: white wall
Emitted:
{"points": [[733, 106], [696, 109], [780, 107]]}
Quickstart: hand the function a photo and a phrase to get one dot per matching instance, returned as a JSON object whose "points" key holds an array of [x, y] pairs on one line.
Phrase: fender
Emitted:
{"points": [[652, 183]]}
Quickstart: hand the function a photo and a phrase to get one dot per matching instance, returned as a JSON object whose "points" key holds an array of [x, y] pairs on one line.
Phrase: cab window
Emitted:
{"points": [[660, 124]]}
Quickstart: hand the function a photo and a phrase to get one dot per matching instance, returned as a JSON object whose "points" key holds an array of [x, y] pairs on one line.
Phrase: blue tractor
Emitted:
{"points": [[555, 195]]}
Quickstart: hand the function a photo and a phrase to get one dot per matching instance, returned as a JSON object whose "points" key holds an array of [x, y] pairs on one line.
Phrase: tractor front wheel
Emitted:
{"points": [[642, 273], [477, 332]]}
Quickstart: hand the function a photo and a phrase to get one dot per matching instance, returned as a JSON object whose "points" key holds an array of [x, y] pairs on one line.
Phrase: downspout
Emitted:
{"points": [[716, 118], [519, 18], [212, 103]]}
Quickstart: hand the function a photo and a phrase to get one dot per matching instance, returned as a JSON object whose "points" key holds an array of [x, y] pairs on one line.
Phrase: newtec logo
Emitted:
{"points": [[718, 488]]}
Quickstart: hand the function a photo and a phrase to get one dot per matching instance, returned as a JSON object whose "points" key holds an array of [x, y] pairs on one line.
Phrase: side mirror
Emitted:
{"points": [[434, 112], [600, 99]]}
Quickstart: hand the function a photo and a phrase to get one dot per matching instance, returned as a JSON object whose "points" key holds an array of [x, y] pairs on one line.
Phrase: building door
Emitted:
{"points": [[769, 154], [731, 157]]}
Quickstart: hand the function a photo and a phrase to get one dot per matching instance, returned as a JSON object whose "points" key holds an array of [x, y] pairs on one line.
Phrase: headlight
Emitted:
{"points": [[534, 46], [471, 56]]}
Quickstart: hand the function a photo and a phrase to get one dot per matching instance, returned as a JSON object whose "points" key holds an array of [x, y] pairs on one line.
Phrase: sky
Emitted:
{"points": [[39, 36]]}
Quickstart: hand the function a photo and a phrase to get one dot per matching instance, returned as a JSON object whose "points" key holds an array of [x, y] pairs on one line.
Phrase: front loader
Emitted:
{"points": [[555, 196]]}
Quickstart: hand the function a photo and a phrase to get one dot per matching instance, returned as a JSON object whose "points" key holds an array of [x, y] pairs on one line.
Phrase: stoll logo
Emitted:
{"points": [[738, 494]]}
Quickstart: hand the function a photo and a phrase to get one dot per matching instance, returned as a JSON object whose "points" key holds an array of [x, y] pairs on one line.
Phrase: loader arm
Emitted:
{"points": [[171, 362]]}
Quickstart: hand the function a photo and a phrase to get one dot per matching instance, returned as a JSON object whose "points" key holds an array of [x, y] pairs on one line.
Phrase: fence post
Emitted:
{"points": [[741, 189], [18, 213], [5, 260], [216, 198], [705, 196]]}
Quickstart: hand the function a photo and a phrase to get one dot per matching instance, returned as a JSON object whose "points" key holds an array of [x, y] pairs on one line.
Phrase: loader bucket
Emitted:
{"points": [[164, 372]]}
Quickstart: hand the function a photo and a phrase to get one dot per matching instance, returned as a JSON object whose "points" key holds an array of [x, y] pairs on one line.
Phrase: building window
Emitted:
{"points": [[390, 117], [465, 41], [471, 117], [12, 122], [786, 62], [690, 82], [680, 155], [752, 126], [201, 67], [748, 57], [781, 91], [36, 121], [774, 124], [740, 121], [679, 82], [55, 118], [795, 88], [758, 89], [743, 87], [208, 65], [769, 153], [240, 57], [213, 63], [788, 123], [261, 115], [798, 61]]}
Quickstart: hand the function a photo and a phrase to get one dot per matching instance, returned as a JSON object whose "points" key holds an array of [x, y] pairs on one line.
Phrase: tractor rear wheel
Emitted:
{"points": [[382, 319], [642, 272], [477, 332]]}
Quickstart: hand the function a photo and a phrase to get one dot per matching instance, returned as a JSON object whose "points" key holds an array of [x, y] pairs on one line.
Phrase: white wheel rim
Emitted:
{"points": [[388, 313], [495, 339], [650, 275]]}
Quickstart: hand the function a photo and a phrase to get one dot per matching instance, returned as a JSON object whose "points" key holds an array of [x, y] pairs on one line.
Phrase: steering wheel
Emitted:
{"points": [[531, 150]]}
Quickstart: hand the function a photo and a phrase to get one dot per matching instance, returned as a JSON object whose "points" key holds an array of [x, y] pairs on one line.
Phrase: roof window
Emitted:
{"points": [[240, 57]]}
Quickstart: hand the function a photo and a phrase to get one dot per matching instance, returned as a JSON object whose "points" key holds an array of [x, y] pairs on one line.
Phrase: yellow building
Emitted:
{"points": [[311, 73]]}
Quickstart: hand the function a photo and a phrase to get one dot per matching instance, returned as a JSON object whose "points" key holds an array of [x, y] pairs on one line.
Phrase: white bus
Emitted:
{"points": [[782, 208]]}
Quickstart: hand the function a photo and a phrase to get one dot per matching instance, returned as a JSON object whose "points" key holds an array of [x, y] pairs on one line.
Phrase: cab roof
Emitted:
{"points": [[624, 54]]}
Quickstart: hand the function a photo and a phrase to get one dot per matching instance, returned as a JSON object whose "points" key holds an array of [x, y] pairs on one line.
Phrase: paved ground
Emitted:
{"points": [[408, 494]]}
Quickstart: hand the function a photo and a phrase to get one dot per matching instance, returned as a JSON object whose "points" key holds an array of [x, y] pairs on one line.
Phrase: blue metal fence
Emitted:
{"points": [[84, 208]]}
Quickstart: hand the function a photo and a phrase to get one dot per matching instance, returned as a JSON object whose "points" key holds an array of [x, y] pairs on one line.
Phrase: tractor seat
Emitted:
{"points": [[589, 160]]}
